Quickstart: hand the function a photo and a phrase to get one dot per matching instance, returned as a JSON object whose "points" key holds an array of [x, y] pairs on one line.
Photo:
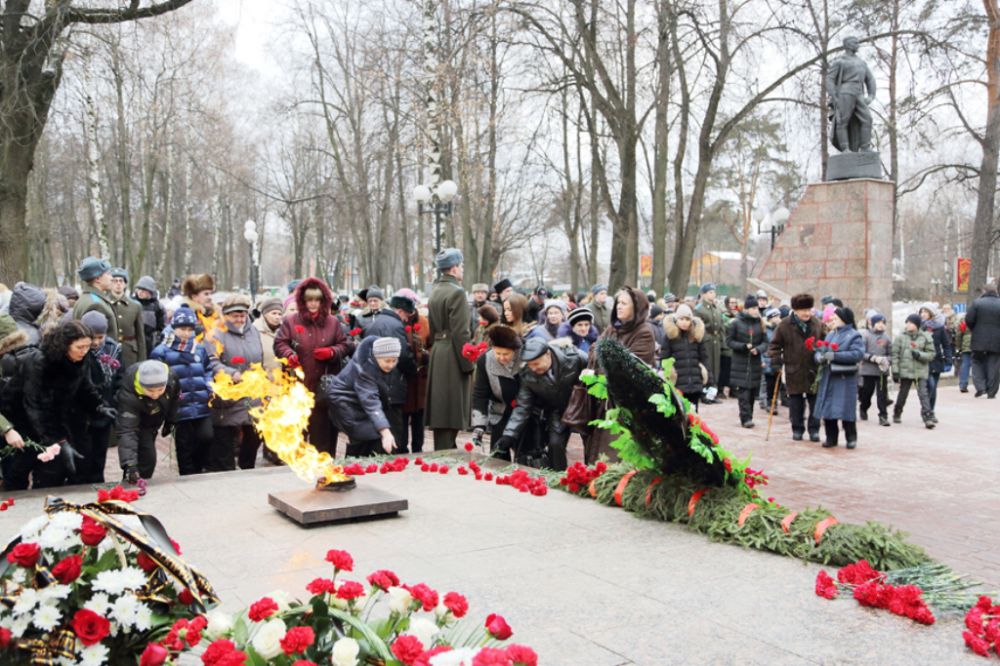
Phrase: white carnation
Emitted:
{"points": [[66, 520], [345, 652], [30, 531], [52, 537], [143, 618], [267, 641], [399, 600], [19, 626], [423, 629], [46, 617], [456, 657], [220, 623]]}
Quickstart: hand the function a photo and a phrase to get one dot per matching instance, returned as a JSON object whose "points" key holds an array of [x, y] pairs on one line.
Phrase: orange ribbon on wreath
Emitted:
{"points": [[649, 489], [693, 502], [745, 513], [822, 526], [786, 522], [620, 489]]}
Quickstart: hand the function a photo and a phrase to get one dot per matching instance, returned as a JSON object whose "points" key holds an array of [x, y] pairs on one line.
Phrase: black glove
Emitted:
{"points": [[915, 354], [108, 412], [131, 475], [895, 379], [506, 443], [68, 456], [166, 429]]}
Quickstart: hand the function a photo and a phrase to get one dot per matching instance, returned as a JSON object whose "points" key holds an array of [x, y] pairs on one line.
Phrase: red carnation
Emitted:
{"points": [[427, 597], [456, 603], [522, 655], [355, 331], [341, 559], [811, 342], [468, 446], [834, 346], [223, 653], [498, 627], [383, 579], [24, 554], [857, 573], [825, 586], [239, 360], [978, 645], [409, 329], [90, 627], [321, 586], [297, 639], [407, 649], [5, 638], [262, 609], [68, 569], [417, 327], [350, 590], [300, 329], [491, 657]]}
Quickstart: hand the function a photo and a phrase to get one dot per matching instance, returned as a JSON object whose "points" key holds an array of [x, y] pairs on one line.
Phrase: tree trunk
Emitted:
{"points": [[660, 148], [982, 230]]}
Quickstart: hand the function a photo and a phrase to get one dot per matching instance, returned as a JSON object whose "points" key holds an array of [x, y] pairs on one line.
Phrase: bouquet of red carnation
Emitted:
{"points": [[982, 623], [472, 352]]}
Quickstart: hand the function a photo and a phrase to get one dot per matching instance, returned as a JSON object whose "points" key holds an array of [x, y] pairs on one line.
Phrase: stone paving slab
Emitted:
{"points": [[582, 583]]}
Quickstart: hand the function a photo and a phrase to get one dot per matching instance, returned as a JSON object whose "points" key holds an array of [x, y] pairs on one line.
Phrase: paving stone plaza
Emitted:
{"points": [[586, 584]]}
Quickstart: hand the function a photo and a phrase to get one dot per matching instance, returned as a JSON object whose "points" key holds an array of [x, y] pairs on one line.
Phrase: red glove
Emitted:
{"points": [[323, 353], [293, 361]]}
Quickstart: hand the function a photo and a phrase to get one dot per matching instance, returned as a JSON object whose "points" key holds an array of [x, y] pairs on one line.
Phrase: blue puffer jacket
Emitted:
{"points": [[189, 361]]}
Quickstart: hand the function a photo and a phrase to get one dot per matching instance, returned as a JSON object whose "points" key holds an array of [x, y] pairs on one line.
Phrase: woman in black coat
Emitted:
{"points": [[683, 341], [748, 342], [359, 396], [497, 383], [54, 390]]}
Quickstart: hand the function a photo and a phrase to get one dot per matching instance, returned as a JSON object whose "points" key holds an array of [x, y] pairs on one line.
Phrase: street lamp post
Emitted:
{"points": [[435, 202], [777, 220], [251, 236]]}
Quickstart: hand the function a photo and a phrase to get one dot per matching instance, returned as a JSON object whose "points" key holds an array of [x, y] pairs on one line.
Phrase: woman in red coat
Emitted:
{"points": [[313, 339]]}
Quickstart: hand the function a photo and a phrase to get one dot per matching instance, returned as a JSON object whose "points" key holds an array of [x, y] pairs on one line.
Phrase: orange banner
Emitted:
{"points": [[621, 486], [963, 267], [645, 265]]}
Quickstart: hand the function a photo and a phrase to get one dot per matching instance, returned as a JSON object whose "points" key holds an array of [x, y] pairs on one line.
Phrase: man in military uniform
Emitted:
{"points": [[847, 82], [96, 293], [449, 385], [715, 331], [128, 313]]}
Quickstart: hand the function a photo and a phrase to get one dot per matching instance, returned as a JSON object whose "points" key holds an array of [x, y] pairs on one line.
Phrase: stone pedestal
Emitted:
{"points": [[311, 506], [838, 241]]}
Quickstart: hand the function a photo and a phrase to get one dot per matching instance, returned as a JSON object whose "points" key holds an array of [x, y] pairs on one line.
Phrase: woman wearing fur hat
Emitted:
{"points": [[198, 290], [684, 341], [314, 339], [837, 397], [579, 329], [746, 338], [790, 350], [496, 387]]}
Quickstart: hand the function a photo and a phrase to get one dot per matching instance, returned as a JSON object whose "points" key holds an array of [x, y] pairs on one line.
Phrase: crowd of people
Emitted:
{"points": [[108, 365]]}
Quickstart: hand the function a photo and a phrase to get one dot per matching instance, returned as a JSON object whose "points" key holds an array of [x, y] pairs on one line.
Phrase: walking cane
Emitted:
{"points": [[774, 399]]}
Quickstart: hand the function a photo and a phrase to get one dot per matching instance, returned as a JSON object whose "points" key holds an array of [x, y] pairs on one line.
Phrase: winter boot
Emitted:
{"points": [[897, 418], [883, 421], [863, 414]]}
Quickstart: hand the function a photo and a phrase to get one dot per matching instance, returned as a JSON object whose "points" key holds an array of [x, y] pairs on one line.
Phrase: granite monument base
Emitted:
{"points": [[838, 242], [312, 507], [854, 165]]}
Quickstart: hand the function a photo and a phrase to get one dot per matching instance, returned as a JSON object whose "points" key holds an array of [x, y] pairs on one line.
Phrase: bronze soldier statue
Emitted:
{"points": [[847, 83]]}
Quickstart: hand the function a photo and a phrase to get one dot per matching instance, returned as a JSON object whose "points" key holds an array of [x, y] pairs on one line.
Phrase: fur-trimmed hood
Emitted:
{"points": [[313, 283], [640, 311], [673, 331], [11, 337]]}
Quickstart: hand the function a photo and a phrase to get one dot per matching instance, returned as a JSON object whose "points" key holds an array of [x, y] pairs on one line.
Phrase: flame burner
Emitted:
{"points": [[337, 486]]}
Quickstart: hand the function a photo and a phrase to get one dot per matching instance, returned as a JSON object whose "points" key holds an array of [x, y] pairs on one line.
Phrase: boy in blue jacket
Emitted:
{"points": [[187, 358]]}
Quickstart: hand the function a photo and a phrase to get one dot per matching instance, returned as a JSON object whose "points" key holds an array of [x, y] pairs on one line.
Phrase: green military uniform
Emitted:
{"points": [[715, 333], [130, 332], [449, 383], [92, 298]]}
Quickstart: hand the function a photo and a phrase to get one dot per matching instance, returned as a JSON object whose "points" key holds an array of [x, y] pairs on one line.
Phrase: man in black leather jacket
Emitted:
{"points": [[547, 382]]}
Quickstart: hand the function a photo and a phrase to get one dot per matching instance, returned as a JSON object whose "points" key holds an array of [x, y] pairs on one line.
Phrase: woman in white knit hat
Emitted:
{"points": [[359, 396]]}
